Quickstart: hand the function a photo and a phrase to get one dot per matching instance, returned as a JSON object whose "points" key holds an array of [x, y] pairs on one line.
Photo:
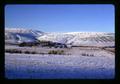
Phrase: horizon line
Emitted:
{"points": [[57, 31]]}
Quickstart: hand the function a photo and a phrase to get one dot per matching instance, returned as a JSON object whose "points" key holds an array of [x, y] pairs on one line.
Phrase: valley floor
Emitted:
{"points": [[67, 51], [74, 66]]}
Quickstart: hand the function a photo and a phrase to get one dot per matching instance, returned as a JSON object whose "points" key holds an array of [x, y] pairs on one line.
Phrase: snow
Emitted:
{"points": [[36, 66], [74, 38], [18, 66], [21, 35], [81, 38]]}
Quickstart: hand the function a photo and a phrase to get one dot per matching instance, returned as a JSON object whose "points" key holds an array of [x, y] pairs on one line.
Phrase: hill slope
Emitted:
{"points": [[81, 38], [15, 35], [73, 38]]}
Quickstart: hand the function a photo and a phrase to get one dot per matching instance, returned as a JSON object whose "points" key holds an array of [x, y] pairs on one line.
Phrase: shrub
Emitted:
{"points": [[60, 52], [50, 52], [19, 51], [87, 54], [56, 52], [13, 51], [33, 53], [56, 47], [27, 52], [7, 50], [91, 55], [83, 54], [22, 44]]}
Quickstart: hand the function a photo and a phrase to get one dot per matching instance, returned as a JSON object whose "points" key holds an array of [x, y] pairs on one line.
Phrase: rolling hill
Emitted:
{"points": [[17, 35]]}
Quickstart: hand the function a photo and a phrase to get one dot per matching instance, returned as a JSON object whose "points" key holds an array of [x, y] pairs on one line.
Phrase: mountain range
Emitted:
{"points": [[18, 35]]}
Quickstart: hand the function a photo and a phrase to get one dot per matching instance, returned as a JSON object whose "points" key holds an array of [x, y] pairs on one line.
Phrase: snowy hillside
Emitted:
{"points": [[16, 35], [75, 38], [82, 38]]}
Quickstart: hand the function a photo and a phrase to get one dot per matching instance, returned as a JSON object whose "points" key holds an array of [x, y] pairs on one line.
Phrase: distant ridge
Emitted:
{"points": [[73, 38], [16, 35], [19, 30]]}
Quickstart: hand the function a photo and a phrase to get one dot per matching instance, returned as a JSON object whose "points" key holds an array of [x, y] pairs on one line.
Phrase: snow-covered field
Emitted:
{"points": [[36, 66], [96, 63]]}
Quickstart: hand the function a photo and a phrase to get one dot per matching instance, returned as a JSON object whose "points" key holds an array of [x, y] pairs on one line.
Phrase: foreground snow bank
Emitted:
{"points": [[58, 66]]}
